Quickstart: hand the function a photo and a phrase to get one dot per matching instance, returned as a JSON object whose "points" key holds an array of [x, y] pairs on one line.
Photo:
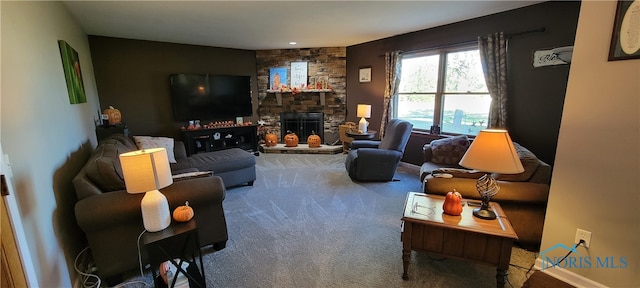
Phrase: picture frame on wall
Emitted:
{"points": [[625, 39], [72, 73], [278, 78], [365, 74]]}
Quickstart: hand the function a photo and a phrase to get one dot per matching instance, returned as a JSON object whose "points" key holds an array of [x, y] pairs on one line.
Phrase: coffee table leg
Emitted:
{"points": [[406, 257], [501, 277]]}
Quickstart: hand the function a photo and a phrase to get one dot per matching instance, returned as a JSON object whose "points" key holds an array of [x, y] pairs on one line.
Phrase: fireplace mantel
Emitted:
{"points": [[279, 94]]}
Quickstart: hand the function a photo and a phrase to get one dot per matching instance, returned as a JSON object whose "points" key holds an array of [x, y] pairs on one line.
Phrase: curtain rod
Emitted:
{"points": [[507, 35]]}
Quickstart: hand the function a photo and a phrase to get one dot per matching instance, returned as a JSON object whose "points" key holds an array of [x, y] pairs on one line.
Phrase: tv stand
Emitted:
{"points": [[219, 138]]}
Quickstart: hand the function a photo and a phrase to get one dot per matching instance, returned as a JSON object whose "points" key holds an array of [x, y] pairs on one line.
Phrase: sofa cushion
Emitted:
{"points": [[103, 168], [449, 151], [148, 142], [529, 162], [222, 160]]}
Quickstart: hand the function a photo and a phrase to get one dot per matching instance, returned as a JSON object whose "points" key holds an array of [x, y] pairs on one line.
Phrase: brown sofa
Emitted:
{"points": [[112, 220], [523, 196]]}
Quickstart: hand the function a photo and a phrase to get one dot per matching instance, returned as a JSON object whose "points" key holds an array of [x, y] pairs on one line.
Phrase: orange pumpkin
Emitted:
{"points": [[114, 115], [452, 203], [313, 140], [291, 140], [270, 140], [183, 213]]}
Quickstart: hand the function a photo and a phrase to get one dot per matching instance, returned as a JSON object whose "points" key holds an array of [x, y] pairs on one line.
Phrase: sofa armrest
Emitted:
{"points": [[179, 151], [516, 192], [427, 153], [109, 209]]}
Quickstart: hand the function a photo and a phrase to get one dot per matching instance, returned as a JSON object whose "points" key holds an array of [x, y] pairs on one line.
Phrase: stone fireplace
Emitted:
{"points": [[327, 62]]}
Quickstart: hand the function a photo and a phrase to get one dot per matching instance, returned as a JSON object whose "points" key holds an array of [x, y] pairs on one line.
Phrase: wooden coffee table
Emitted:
{"points": [[426, 228]]}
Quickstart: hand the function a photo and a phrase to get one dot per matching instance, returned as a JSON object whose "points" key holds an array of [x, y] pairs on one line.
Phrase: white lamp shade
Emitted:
{"points": [[492, 151], [146, 170], [364, 111]]}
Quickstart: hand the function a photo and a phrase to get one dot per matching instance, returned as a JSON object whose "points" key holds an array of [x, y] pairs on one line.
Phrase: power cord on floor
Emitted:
{"points": [[90, 280], [87, 277]]}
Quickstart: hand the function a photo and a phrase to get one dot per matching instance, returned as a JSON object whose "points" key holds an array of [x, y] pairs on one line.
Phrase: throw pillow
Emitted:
{"points": [[147, 142], [449, 151]]}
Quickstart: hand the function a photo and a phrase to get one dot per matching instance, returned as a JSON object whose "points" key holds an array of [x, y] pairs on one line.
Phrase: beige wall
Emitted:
{"points": [[596, 183], [43, 135]]}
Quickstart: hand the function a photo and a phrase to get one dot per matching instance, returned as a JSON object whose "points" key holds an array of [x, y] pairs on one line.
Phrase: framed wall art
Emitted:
{"points": [[72, 73], [625, 39], [277, 78], [365, 74]]}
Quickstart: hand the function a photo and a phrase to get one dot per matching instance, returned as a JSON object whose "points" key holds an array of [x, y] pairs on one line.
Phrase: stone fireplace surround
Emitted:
{"points": [[328, 61]]}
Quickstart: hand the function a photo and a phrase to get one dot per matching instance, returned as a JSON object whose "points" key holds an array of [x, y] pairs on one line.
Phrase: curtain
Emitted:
{"points": [[393, 66], [493, 55]]}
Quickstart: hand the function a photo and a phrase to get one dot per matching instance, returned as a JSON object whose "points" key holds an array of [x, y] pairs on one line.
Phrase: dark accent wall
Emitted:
{"points": [[133, 76], [536, 95]]}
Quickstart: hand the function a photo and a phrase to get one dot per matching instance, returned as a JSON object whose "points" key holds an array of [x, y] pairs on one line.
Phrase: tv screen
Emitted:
{"points": [[210, 97]]}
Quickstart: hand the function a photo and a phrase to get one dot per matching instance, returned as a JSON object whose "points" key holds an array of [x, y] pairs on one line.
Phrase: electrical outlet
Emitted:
{"points": [[584, 235]]}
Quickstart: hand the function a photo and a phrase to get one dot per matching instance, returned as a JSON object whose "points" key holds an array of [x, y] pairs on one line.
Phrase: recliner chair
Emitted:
{"points": [[371, 160]]}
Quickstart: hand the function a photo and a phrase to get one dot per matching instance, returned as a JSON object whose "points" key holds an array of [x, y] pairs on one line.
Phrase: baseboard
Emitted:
{"points": [[411, 167], [567, 276]]}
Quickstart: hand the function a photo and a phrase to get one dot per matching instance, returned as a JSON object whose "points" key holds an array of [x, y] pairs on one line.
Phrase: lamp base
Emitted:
{"points": [[484, 214], [155, 211], [362, 125]]}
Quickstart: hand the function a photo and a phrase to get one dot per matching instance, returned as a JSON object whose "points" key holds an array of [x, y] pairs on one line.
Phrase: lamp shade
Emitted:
{"points": [[364, 111], [492, 151], [146, 170]]}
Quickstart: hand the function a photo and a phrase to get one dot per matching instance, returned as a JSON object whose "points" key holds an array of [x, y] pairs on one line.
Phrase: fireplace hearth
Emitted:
{"points": [[303, 124]]}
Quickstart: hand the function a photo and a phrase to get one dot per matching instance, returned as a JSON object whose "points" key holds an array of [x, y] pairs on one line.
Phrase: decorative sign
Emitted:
{"points": [[546, 58], [298, 75], [625, 41]]}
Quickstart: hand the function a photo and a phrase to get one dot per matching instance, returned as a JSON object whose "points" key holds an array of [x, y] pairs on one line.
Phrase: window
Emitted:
{"points": [[444, 88]]}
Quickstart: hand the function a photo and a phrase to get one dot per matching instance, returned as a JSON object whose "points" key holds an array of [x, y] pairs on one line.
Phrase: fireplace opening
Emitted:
{"points": [[303, 124]]}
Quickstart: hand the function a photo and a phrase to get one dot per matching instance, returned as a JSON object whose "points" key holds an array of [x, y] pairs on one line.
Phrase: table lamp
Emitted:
{"points": [[146, 171], [491, 152], [364, 111]]}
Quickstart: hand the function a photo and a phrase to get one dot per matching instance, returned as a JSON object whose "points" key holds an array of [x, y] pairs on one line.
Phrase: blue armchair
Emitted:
{"points": [[371, 160]]}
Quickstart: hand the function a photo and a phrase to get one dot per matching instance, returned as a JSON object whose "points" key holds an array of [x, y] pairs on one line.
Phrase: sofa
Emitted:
{"points": [[523, 196], [111, 218]]}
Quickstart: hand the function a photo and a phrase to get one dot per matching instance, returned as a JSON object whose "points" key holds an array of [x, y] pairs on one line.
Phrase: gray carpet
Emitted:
{"points": [[304, 223]]}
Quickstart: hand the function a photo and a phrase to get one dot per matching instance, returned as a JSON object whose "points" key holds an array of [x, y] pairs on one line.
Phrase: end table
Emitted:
{"points": [[178, 241]]}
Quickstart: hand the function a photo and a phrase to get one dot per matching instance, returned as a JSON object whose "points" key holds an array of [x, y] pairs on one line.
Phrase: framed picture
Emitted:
{"points": [[299, 75], [72, 73], [365, 74], [277, 78], [626, 32]]}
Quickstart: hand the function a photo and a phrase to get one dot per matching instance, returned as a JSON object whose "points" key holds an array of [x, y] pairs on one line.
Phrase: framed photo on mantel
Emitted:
{"points": [[625, 39]]}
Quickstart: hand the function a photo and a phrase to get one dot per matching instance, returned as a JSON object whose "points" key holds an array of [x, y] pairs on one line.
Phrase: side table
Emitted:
{"points": [[426, 228], [178, 241], [362, 136]]}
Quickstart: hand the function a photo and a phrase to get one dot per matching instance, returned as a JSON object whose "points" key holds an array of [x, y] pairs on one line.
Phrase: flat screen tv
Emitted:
{"points": [[210, 97]]}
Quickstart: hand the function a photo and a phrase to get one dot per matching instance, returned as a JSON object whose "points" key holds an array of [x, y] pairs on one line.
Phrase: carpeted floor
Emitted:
{"points": [[304, 223]]}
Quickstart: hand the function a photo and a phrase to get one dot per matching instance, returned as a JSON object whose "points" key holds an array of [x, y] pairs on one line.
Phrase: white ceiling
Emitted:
{"points": [[258, 25]]}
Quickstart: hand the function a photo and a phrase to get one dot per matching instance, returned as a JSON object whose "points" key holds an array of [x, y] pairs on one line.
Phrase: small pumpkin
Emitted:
{"points": [[183, 213], [114, 115], [291, 139], [270, 140], [453, 203], [313, 140]]}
